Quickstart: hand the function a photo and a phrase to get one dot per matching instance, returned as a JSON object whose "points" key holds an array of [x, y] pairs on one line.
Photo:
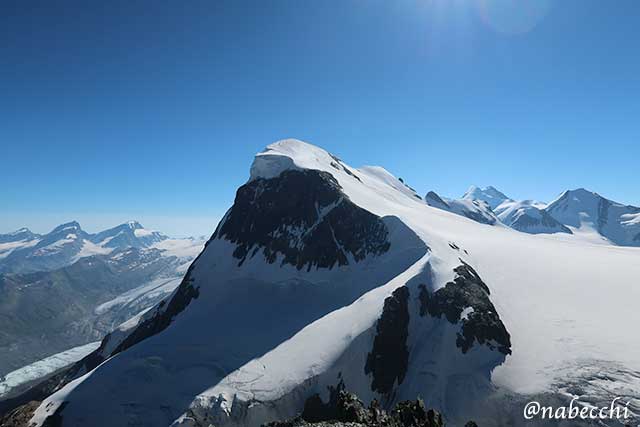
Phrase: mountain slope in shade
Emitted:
{"points": [[323, 274], [22, 238], [586, 210], [529, 216]]}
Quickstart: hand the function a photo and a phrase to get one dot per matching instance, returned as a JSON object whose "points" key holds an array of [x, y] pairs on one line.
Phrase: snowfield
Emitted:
{"points": [[261, 337]]}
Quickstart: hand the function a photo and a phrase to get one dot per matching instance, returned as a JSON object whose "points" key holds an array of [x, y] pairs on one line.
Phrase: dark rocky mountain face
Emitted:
{"points": [[301, 215], [304, 217], [301, 218], [464, 302], [467, 292], [389, 357], [433, 199]]}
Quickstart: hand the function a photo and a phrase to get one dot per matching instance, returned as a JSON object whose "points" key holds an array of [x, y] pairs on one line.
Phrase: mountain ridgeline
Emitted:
{"points": [[25, 252], [323, 278], [574, 212]]}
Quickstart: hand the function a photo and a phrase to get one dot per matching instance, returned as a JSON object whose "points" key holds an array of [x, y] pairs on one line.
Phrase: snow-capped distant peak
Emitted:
{"points": [[589, 212], [20, 231], [135, 225], [489, 194], [21, 235], [392, 286], [129, 234], [69, 226], [477, 210]]}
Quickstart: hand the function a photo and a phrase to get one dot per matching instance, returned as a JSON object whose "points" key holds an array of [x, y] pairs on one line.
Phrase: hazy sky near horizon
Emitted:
{"points": [[153, 111]]}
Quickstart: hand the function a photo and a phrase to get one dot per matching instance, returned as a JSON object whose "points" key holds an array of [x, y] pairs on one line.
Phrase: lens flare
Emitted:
{"points": [[512, 16]]}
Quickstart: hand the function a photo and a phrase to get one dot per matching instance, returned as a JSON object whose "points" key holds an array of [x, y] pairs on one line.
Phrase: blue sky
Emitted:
{"points": [[153, 110]]}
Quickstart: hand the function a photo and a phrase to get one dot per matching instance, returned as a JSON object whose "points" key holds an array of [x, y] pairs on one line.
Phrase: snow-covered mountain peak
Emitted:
{"points": [[487, 194], [293, 154], [20, 231], [23, 251], [23, 234], [529, 216], [580, 196], [134, 225], [590, 213], [69, 226], [341, 275], [573, 207], [475, 209], [129, 234]]}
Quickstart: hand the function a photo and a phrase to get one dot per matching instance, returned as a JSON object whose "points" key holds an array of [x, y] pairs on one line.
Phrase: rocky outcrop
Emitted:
{"points": [[19, 417], [466, 300], [389, 357], [345, 409], [303, 219]]}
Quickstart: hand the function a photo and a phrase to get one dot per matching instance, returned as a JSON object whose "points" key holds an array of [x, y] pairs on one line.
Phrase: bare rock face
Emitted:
{"points": [[389, 357], [468, 294], [345, 409], [20, 416], [303, 217]]}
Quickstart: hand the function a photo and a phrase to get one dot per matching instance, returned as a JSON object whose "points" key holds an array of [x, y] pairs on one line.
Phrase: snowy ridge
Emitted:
{"points": [[262, 334], [529, 216], [588, 212], [489, 194]]}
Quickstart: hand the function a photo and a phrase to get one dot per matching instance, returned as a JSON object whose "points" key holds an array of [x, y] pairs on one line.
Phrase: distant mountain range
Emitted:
{"points": [[23, 251], [324, 277], [580, 212], [69, 287]]}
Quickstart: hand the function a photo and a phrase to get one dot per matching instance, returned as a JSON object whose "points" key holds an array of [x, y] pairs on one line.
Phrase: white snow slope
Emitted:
{"points": [[262, 337]]}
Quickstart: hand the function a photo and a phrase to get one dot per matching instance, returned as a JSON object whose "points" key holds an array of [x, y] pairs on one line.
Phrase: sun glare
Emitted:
{"points": [[512, 16]]}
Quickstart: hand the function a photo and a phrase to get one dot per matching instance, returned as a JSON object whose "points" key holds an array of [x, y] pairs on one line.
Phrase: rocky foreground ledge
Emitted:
{"points": [[346, 410]]}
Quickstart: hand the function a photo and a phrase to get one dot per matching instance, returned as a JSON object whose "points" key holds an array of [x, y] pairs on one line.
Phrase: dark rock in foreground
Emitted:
{"points": [[345, 409], [19, 417]]}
